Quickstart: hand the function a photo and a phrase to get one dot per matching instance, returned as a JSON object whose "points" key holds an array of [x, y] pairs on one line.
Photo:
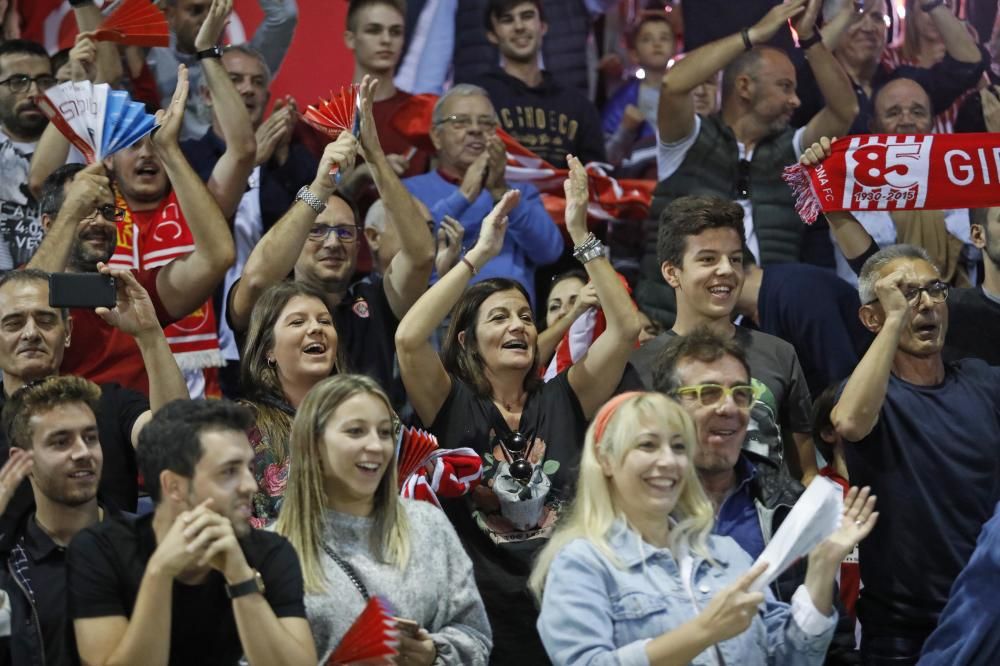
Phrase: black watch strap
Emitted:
{"points": [[809, 42], [932, 5], [252, 586], [214, 52]]}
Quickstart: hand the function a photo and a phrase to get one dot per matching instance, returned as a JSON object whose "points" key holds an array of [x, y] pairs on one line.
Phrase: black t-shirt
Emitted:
{"points": [[107, 562], [502, 555], [933, 460], [44, 569], [973, 326], [119, 409], [817, 313]]}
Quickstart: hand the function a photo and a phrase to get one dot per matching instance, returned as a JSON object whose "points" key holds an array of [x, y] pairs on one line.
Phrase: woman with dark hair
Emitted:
{"points": [[291, 345], [357, 538], [485, 393], [569, 297]]}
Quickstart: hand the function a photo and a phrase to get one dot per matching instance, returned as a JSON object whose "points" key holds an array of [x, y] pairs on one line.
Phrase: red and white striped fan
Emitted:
{"points": [[135, 23], [414, 449], [337, 114], [372, 640]]}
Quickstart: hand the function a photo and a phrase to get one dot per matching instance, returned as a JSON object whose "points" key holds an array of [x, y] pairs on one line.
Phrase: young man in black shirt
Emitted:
{"points": [[193, 582], [52, 426]]}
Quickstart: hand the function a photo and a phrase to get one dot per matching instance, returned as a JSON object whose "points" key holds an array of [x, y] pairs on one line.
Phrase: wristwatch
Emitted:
{"points": [[808, 42], [927, 7], [213, 52], [253, 586], [306, 196]]}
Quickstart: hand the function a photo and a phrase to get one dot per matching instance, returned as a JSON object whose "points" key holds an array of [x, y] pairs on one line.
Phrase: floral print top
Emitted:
{"points": [[271, 473]]}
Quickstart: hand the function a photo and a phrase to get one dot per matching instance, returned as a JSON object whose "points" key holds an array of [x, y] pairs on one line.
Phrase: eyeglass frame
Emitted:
{"points": [[332, 229], [492, 126], [913, 294], [110, 212], [29, 79], [727, 392]]}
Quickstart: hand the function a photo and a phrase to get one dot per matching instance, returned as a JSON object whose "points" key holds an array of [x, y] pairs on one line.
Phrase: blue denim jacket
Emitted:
{"points": [[596, 613]]}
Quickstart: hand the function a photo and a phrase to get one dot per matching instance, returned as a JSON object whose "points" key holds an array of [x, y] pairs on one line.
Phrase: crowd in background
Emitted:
{"points": [[627, 409]]}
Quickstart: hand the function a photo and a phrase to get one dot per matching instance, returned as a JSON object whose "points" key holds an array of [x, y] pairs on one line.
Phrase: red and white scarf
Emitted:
{"points": [[900, 172], [194, 339]]}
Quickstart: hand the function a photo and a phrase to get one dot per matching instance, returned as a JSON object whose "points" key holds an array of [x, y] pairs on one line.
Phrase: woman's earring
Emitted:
{"points": [[271, 362]]}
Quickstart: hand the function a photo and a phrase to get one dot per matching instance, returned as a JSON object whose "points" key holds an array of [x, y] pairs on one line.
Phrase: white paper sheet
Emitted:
{"points": [[813, 518]]}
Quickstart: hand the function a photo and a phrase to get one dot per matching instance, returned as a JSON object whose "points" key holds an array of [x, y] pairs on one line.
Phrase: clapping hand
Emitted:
{"points": [[211, 28], [169, 121], [494, 227], [858, 520], [577, 198], [12, 473], [778, 16]]}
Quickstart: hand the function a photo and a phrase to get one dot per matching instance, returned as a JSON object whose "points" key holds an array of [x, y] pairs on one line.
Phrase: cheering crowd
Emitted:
{"points": [[627, 407]]}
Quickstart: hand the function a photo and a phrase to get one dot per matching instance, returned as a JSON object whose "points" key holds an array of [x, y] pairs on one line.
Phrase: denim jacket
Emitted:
{"points": [[596, 613]]}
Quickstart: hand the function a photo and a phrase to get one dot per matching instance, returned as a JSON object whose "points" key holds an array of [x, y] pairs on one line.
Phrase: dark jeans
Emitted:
{"points": [[890, 650]]}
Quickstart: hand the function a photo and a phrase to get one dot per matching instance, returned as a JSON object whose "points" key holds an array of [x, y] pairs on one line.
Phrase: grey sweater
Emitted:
{"points": [[436, 588]]}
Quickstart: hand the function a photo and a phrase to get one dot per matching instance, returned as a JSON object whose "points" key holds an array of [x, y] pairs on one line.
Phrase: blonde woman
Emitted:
{"points": [[356, 538], [634, 576]]}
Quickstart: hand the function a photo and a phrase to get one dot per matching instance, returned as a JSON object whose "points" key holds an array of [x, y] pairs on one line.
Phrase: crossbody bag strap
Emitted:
{"points": [[348, 570]]}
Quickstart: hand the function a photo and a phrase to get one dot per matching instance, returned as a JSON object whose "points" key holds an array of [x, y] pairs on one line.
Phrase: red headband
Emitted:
{"points": [[607, 411]]}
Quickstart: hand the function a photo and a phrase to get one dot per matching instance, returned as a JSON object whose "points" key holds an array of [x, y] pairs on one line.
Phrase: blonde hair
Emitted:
{"points": [[593, 512], [302, 516]]}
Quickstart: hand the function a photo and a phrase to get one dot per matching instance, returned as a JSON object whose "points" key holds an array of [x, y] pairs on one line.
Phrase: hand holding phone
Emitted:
{"points": [[81, 290]]}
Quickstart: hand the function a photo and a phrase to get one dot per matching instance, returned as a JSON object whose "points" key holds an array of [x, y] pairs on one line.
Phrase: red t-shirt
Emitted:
{"points": [[850, 571], [102, 353], [390, 138]]}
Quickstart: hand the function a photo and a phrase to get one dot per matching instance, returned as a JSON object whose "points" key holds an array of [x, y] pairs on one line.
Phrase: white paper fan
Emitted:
{"points": [[97, 120]]}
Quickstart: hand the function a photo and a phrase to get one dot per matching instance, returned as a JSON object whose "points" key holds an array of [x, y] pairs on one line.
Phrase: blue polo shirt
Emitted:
{"points": [[737, 517]]}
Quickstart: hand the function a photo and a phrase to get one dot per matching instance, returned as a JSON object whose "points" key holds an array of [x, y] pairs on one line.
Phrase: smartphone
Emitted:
{"points": [[81, 290], [408, 627]]}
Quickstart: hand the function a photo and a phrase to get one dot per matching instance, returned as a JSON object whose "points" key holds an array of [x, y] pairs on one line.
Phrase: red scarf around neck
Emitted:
{"points": [[900, 172]]}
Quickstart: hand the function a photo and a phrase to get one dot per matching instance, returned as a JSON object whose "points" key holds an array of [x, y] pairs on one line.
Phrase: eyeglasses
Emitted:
{"points": [[710, 395], [109, 212], [743, 180], [18, 83], [937, 291], [345, 234], [462, 122]]}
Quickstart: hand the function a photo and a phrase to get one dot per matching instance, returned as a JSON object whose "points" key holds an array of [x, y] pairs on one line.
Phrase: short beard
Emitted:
{"points": [[12, 122], [85, 261]]}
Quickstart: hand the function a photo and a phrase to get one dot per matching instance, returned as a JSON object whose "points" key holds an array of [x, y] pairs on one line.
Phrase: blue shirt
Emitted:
{"points": [[532, 238], [597, 612], [737, 516]]}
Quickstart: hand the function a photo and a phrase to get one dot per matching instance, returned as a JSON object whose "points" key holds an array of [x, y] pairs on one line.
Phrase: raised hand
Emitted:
{"points": [[83, 58], [494, 227], [275, 132], [733, 608], [341, 154], [88, 189], [805, 23], [449, 245], [990, 98], [12, 473], [779, 15], [134, 312], [170, 119], [475, 177], [496, 167], [213, 25], [817, 152], [370, 145], [889, 290], [857, 522], [577, 198]]}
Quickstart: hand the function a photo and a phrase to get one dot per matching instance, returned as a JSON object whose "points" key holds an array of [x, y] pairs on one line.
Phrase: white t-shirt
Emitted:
{"points": [[670, 156]]}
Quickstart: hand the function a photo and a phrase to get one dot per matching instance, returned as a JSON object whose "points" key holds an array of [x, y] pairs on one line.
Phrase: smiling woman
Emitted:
{"points": [[291, 345]]}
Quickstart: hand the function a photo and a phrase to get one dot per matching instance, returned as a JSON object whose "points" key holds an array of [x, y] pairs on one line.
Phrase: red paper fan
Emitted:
{"points": [[337, 114], [372, 639], [135, 23], [414, 448]]}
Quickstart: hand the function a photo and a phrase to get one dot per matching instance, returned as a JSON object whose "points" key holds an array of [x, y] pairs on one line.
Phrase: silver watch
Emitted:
{"points": [[306, 196], [591, 253]]}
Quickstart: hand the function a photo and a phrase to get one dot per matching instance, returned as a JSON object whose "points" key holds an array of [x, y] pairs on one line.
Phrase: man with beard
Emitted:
{"points": [[701, 249], [739, 153], [913, 427], [33, 339], [54, 436], [78, 239], [546, 117], [25, 71], [191, 583], [317, 241], [709, 376]]}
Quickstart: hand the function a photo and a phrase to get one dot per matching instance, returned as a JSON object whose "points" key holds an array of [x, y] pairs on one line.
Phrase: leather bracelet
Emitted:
{"points": [[213, 52], [809, 42], [928, 7], [745, 34], [80, 3], [471, 266]]}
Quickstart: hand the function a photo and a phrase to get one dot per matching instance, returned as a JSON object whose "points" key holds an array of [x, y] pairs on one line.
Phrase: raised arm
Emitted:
{"points": [[135, 315], [857, 410], [549, 339], [594, 377], [424, 376], [185, 283], [836, 117], [107, 61], [84, 193], [675, 115], [274, 34], [274, 256], [410, 270], [229, 177], [958, 41]]}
